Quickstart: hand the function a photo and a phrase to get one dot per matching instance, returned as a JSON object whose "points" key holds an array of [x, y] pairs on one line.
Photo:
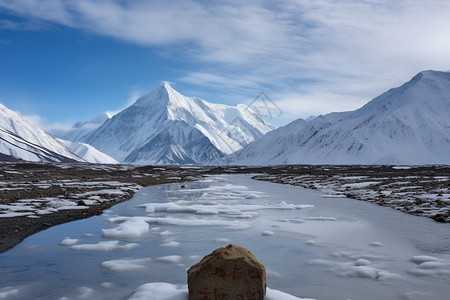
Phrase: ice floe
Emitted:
{"points": [[123, 265], [130, 230], [69, 242], [104, 246], [169, 259], [357, 269], [171, 244]]}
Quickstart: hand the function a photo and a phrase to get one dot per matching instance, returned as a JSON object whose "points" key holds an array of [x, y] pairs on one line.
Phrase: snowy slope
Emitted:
{"points": [[81, 128], [406, 125], [165, 127], [88, 153], [22, 140]]}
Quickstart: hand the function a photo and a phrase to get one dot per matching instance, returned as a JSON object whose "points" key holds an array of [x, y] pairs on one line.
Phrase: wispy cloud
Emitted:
{"points": [[337, 53], [46, 124]]}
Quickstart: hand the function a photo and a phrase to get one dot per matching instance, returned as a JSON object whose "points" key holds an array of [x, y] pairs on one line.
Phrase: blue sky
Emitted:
{"points": [[67, 60]]}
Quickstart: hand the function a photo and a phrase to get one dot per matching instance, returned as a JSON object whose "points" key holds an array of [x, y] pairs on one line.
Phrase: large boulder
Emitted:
{"points": [[227, 273]]}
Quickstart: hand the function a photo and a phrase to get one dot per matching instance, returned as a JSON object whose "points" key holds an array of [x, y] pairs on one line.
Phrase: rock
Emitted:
{"points": [[227, 273]]}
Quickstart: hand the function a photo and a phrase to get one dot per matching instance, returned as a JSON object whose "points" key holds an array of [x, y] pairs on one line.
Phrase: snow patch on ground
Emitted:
{"points": [[167, 291]]}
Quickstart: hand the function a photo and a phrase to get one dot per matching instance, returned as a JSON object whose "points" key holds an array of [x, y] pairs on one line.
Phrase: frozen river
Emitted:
{"points": [[313, 246]]}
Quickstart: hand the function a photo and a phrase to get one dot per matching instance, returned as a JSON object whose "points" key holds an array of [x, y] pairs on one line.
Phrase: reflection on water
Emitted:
{"points": [[323, 248]]}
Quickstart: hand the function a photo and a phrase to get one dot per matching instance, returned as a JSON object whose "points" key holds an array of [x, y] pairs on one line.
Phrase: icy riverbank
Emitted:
{"points": [[312, 247]]}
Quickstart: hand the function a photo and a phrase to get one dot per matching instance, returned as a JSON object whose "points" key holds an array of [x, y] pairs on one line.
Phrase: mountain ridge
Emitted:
{"points": [[166, 127], [24, 141], [405, 125]]}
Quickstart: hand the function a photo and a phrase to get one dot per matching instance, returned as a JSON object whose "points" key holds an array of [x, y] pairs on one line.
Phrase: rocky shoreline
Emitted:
{"points": [[37, 196], [416, 190]]}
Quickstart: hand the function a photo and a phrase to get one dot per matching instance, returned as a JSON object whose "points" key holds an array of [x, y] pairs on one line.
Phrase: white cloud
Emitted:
{"points": [[324, 55], [45, 124], [135, 94]]}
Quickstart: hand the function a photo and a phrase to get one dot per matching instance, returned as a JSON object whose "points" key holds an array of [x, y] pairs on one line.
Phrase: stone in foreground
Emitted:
{"points": [[230, 273]]}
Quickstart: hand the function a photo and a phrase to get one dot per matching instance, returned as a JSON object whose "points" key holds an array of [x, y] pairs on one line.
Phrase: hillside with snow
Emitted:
{"points": [[165, 127], [22, 140], [405, 125], [88, 153]]}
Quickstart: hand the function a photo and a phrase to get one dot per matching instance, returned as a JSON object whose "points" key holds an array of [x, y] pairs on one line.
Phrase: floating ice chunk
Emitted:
{"points": [[361, 272], [423, 258], [362, 262], [200, 222], [248, 215], [167, 207], [130, 230], [298, 221], [69, 242], [376, 244], [104, 246], [284, 205], [107, 285], [267, 233], [85, 292], [172, 244], [252, 196], [207, 211], [166, 233], [433, 265], [7, 292], [350, 270], [122, 265], [169, 259], [311, 242]]}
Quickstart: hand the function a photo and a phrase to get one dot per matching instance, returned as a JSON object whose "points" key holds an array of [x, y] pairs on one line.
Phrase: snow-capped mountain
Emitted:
{"points": [[405, 125], [88, 153], [81, 128], [165, 127], [22, 140]]}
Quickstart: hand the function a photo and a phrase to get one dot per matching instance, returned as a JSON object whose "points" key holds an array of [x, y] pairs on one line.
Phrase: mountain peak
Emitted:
{"points": [[166, 127], [166, 85], [162, 95], [429, 75]]}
